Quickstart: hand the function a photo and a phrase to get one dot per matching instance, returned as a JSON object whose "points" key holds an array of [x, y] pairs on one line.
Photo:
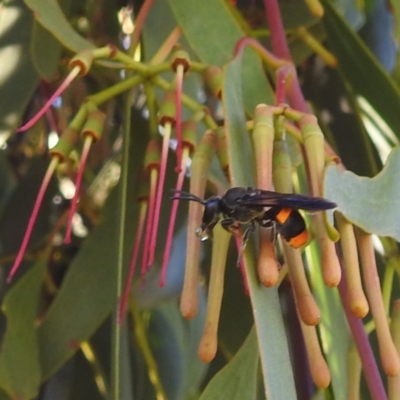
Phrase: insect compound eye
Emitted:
{"points": [[211, 211], [210, 218]]}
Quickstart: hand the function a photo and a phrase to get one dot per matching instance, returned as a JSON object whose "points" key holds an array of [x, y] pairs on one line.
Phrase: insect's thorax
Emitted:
{"points": [[230, 207]]}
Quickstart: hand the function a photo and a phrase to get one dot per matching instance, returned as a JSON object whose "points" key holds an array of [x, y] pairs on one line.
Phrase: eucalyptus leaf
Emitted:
{"points": [[45, 52], [333, 331], [271, 336], [19, 356], [50, 15], [17, 75], [360, 68], [373, 204], [175, 349], [238, 379], [45, 48], [85, 298]]}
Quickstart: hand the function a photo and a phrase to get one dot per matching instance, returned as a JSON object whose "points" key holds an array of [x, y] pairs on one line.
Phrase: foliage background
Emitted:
{"points": [[57, 326]]}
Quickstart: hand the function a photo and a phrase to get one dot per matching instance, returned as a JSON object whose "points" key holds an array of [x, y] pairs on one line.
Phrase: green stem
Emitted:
{"points": [[116, 336], [79, 119], [147, 353], [151, 101], [115, 90], [388, 284]]}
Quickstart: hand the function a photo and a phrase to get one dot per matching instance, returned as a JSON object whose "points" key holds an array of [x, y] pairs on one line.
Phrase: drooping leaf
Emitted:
{"points": [[236, 319], [344, 130], [361, 69], [19, 207], [19, 356], [175, 331], [45, 51], [373, 204], [378, 32], [174, 346], [238, 379], [45, 48], [237, 137], [274, 353], [17, 75], [50, 15], [84, 300], [334, 335]]}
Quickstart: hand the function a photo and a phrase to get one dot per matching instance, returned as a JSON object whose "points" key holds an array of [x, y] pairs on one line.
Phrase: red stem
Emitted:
{"points": [[178, 126], [278, 36], [360, 337], [173, 212], [135, 253], [32, 219], [82, 164], [49, 113], [139, 22], [280, 89], [71, 76], [160, 190], [147, 238], [265, 54], [241, 266]]}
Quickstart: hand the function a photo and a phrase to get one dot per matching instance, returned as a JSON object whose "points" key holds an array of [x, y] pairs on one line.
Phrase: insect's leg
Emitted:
{"points": [[274, 230], [245, 239], [246, 234], [268, 221], [229, 225]]}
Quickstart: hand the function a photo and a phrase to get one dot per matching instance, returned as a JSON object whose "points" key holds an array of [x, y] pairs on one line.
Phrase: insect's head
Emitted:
{"points": [[212, 209]]}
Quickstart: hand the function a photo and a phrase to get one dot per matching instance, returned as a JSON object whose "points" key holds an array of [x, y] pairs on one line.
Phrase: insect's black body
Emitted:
{"points": [[248, 205]]}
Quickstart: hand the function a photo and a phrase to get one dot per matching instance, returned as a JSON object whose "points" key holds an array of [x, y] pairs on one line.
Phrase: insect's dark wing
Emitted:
{"points": [[266, 198]]}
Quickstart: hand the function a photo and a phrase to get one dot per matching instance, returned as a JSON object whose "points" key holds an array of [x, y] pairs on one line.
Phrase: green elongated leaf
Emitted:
{"points": [[395, 7], [371, 203], [238, 379], [19, 207], [17, 75], [45, 51], [19, 356], [217, 45], [361, 69], [345, 131], [236, 318], [154, 33], [334, 333], [49, 14], [175, 350], [45, 48], [85, 298], [240, 154], [274, 352]]}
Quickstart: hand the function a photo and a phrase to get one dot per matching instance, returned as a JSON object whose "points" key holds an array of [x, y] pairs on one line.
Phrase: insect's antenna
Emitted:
{"points": [[186, 196]]}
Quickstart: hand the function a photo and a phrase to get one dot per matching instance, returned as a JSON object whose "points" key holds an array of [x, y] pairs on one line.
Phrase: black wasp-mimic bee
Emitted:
{"points": [[241, 205]]}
